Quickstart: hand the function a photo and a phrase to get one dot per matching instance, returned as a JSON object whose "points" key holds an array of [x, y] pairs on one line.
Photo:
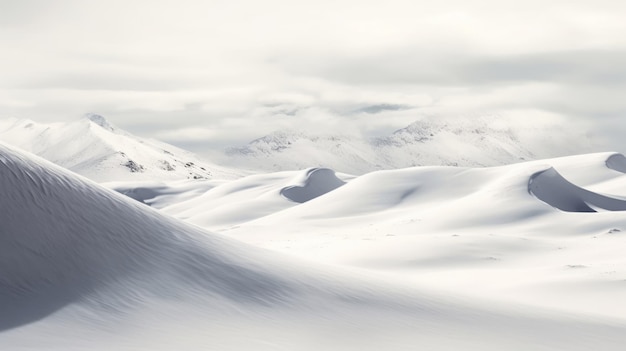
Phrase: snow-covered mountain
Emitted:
{"points": [[94, 148], [463, 142], [295, 150]]}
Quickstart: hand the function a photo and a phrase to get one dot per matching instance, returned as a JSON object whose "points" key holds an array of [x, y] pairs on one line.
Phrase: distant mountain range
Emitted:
{"points": [[94, 148], [468, 142]]}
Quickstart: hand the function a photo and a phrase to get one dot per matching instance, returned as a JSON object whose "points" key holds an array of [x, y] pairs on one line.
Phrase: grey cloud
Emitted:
{"points": [[594, 102], [81, 76], [17, 13], [458, 69], [151, 67], [373, 109], [384, 69], [589, 67], [103, 81]]}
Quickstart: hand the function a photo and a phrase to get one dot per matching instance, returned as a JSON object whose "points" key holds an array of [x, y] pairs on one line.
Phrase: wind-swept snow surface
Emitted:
{"points": [[82, 267], [550, 187], [315, 183], [546, 233], [617, 162]]}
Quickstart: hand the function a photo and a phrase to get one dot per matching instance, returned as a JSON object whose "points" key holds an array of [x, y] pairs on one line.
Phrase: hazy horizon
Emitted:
{"points": [[212, 74]]}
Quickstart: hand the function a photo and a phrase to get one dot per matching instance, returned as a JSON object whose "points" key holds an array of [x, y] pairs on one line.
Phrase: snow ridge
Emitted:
{"points": [[315, 183], [95, 148], [100, 121], [550, 187], [617, 162], [65, 240]]}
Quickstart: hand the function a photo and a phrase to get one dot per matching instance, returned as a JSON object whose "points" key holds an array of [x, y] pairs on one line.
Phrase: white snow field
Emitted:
{"points": [[83, 267], [546, 233], [94, 148]]}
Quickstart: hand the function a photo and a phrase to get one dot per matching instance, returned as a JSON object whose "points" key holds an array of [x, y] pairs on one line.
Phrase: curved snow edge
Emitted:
{"points": [[616, 162], [552, 188], [314, 183]]}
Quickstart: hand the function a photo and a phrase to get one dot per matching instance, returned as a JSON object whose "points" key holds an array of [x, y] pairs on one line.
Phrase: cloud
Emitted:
{"points": [[419, 67], [373, 109], [219, 72]]}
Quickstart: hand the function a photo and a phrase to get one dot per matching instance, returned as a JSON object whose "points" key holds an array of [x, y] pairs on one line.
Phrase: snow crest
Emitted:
{"points": [[617, 162], [100, 121], [65, 240], [102, 152], [315, 182], [550, 187]]}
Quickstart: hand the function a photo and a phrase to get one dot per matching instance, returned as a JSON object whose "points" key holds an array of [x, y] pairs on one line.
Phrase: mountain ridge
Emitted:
{"points": [[425, 142], [95, 148]]}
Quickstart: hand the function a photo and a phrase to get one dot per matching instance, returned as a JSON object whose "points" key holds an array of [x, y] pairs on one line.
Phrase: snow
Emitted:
{"points": [[550, 187], [429, 141], [526, 232], [94, 148], [527, 256], [314, 183], [617, 162]]}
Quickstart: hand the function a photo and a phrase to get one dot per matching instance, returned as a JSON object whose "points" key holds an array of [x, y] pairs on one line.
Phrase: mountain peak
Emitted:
{"points": [[99, 120], [94, 148]]}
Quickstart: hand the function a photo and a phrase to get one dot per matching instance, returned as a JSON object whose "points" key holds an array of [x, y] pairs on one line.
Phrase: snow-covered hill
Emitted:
{"points": [[100, 151], [82, 267], [545, 232], [426, 142]]}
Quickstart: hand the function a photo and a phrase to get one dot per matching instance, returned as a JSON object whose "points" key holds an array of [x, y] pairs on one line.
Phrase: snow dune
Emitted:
{"points": [[65, 240], [484, 196], [469, 196], [314, 183], [550, 187], [162, 194], [617, 162], [486, 231], [84, 267], [220, 204]]}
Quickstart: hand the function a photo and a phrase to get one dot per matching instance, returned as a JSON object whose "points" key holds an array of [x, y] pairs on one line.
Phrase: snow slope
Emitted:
{"points": [[238, 201], [313, 183], [100, 151], [426, 142], [550, 187], [82, 267], [545, 233]]}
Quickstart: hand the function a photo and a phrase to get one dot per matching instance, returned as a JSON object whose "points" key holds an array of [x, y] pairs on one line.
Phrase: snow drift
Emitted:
{"points": [[82, 267], [617, 162], [63, 240], [550, 187], [315, 182]]}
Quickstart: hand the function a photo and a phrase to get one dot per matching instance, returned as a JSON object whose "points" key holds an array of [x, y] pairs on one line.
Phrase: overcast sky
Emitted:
{"points": [[210, 73]]}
